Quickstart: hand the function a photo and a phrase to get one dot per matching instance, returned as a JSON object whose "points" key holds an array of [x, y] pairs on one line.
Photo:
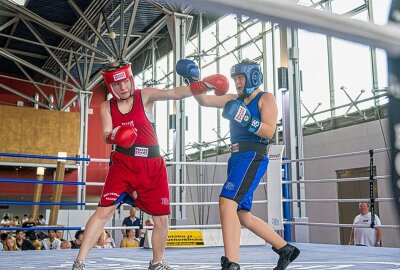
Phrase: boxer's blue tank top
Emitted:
{"points": [[241, 134]]}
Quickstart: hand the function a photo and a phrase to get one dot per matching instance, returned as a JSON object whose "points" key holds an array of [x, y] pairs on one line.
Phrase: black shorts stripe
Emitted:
{"points": [[249, 177]]}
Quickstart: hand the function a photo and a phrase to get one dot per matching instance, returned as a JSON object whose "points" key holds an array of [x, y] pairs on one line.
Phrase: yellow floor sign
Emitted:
{"points": [[185, 238]]}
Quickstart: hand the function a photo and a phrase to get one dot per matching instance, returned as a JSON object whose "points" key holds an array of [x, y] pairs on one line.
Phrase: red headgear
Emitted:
{"points": [[117, 72]]}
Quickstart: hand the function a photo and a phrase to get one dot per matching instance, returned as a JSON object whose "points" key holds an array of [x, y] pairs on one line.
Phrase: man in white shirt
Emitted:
{"points": [[52, 242], [365, 236]]}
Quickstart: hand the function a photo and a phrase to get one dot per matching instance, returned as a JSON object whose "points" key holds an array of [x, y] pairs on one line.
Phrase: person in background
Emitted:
{"points": [[131, 220], [10, 244], [29, 224], [130, 241], [21, 242], [65, 245], [104, 242], [365, 236], [25, 219], [50, 243], [76, 244], [41, 221], [3, 238], [5, 222], [35, 241], [60, 235], [143, 232], [15, 222]]}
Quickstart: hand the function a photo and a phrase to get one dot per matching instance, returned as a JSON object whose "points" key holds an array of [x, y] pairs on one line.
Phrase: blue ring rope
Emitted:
{"points": [[41, 228], [39, 203], [3, 154], [31, 181]]}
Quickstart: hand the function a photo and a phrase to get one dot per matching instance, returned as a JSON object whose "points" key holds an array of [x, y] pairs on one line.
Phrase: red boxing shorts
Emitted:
{"points": [[141, 182]]}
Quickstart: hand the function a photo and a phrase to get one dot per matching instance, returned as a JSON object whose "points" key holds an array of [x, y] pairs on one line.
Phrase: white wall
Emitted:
{"points": [[356, 138]]}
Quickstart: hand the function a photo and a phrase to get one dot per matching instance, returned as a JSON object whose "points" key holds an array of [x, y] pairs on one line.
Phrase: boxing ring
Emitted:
{"points": [[313, 256], [259, 256]]}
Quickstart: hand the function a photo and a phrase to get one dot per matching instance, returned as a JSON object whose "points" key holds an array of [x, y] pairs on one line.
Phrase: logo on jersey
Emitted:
{"points": [[119, 76], [241, 114], [130, 123]]}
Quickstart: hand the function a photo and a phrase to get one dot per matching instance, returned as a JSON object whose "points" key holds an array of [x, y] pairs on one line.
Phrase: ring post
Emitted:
{"points": [[37, 194], [287, 231], [57, 189], [394, 105], [274, 190]]}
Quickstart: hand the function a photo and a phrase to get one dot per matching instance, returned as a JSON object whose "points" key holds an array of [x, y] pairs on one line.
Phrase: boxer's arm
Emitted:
{"points": [[214, 101], [269, 116], [106, 120]]}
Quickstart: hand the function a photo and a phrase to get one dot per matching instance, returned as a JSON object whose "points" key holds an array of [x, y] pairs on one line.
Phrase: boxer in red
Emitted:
{"points": [[137, 174]]}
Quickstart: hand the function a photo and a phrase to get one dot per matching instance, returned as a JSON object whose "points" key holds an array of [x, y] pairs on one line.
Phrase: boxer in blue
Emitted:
{"points": [[252, 114]]}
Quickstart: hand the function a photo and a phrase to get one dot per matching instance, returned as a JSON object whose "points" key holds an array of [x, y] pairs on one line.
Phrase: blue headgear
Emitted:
{"points": [[252, 72]]}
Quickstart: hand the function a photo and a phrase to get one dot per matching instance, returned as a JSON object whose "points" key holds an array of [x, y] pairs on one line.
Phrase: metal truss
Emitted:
{"points": [[74, 65]]}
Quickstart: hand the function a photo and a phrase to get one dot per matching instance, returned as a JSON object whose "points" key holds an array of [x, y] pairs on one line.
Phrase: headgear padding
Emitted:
{"points": [[252, 72], [117, 72]]}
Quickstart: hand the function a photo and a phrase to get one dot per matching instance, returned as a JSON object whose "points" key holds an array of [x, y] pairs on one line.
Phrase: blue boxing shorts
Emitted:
{"points": [[245, 170]]}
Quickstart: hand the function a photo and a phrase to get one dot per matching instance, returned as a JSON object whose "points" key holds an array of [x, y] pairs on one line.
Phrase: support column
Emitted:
{"points": [[37, 194], [178, 27], [84, 102], [292, 126], [57, 189]]}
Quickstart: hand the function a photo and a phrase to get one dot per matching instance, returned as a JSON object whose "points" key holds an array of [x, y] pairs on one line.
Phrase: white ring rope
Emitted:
{"points": [[337, 155], [378, 150], [340, 225], [332, 180], [217, 226], [283, 200], [338, 200]]}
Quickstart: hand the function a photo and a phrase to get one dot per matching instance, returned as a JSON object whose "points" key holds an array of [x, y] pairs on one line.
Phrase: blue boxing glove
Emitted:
{"points": [[189, 70], [236, 110]]}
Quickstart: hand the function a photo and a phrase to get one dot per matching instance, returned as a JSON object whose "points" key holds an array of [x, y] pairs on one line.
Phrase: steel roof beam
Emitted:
{"points": [[31, 66], [39, 38], [28, 54], [91, 12], [47, 24], [16, 92], [82, 15], [134, 47], [34, 84], [130, 28], [7, 24]]}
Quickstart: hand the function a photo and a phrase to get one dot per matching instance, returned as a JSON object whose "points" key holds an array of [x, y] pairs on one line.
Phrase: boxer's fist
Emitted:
{"points": [[189, 70], [236, 110], [217, 82], [124, 136]]}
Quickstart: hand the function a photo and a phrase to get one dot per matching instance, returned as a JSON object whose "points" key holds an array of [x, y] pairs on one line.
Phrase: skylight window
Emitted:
{"points": [[18, 2]]}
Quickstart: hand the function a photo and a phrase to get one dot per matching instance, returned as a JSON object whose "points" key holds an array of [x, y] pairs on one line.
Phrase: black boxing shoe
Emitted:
{"points": [[287, 254], [228, 265]]}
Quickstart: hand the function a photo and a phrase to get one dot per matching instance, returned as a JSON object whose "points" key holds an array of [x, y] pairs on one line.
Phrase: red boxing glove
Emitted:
{"points": [[124, 136], [217, 82]]}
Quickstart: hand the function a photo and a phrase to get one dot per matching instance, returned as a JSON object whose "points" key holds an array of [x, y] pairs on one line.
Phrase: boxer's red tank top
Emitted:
{"points": [[136, 117]]}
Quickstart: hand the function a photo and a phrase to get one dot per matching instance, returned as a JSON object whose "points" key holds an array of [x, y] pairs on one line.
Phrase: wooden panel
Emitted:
{"points": [[38, 132]]}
